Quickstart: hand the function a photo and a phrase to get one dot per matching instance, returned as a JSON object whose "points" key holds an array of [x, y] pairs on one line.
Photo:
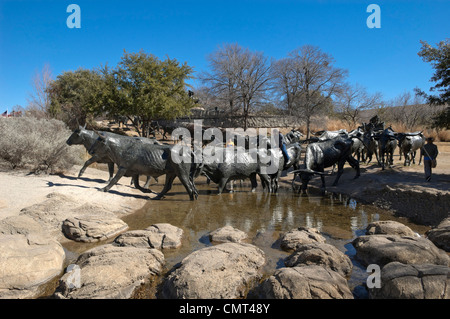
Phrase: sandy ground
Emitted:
{"points": [[19, 190]]}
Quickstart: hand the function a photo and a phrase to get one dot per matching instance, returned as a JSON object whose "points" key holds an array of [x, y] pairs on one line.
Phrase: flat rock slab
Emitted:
{"points": [[57, 208], [227, 234], [383, 249], [413, 281], [440, 235], [93, 228], [300, 236], [389, 227], [110, 272], [323, 255], [27, 262], [19, 224], [222, 271], [305, 282], [159, 236]]}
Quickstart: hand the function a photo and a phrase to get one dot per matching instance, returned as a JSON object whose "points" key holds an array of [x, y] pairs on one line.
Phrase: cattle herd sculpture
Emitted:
{"points": [[136, 156]]}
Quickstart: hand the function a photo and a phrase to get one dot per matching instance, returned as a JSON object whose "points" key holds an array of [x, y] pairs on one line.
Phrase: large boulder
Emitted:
{"points": [[323, 255], [57, 208], [227, 234], [300, 236], [159, 236], [389, 227], [413, 281], [440, 235], [110, 272], [219, 272], [383, 249], [27, 261], [93, 228], [305, 282]]}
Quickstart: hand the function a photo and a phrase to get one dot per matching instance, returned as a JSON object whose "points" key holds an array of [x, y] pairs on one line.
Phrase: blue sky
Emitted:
{"points": [[33, 33]]}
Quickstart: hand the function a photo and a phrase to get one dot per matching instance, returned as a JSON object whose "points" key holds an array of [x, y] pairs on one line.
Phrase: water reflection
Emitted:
{"points": [[262, 216]]}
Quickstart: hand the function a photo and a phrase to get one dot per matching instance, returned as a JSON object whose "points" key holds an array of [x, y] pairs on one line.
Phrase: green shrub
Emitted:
{"points": [[37, 144]]}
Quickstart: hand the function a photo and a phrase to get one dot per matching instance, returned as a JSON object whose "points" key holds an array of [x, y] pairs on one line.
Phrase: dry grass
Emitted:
{"points": [[331, 124]]}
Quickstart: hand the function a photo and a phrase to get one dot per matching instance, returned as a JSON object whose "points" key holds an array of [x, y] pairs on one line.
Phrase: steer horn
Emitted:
{"points": [[101, 136]]}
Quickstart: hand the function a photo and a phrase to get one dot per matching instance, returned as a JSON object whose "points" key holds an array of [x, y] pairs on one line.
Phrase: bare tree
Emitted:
{"points": [[407, 109], [39, 101], [317, 81], [206, 98], [285, 83], [239, 76], [352, 100], [221, 79], [253, 76]]}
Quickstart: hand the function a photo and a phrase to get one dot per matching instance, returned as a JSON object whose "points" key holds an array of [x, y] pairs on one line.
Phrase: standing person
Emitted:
{"points": [[230, 143], [430, 151]]}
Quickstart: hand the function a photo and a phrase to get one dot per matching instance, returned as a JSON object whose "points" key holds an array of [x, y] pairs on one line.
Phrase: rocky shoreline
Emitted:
{"points": [[228, 269], [123, 261], [402, 193]]}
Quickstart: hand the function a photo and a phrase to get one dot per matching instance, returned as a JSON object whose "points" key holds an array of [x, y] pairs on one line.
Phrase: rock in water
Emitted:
{"points": [[440, 235], [159, 236], [389, 227], [383, 249], [300, 236], [413, 281], [305, 282], [227, 234], [111, 272], [321, 254], [93, 228], [27, 262], [223, 271]]}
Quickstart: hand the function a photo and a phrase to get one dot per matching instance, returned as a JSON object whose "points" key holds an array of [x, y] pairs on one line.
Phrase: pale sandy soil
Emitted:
{"points": [[18, 190]]}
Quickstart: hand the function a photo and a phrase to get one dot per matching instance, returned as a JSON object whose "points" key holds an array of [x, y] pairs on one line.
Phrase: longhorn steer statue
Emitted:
{"points": [[134, 158], [387, 143], [294, 151], [408, 144], [234, 164], [87, 138], [358, 147], [293, 136], [370, 146], [323, 154]]}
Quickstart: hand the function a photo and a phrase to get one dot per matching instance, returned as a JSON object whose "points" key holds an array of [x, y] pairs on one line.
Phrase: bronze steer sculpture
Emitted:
{"points": [[294, 151], [234, 165], [87, 138], [409, 144], [134, 158], [387, 143], [323, 154]]}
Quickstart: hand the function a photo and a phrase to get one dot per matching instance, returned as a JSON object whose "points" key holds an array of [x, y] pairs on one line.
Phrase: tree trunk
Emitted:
{"points": [[136, 126], [245, 120], [308, 123]]}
